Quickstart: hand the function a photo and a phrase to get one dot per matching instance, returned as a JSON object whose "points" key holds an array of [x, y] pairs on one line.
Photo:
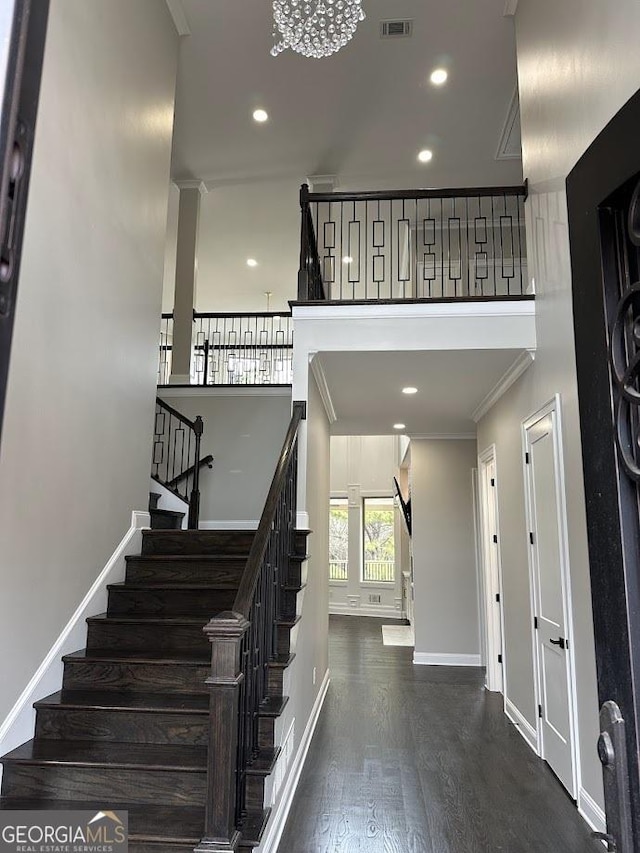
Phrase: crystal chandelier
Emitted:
{"points": [[315, 28]]}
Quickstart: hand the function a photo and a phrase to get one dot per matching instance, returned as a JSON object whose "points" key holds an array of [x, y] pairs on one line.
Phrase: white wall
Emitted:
{"points": [[310, 637], [76, 446], [244, 434], [364, 466], [572, 81], [444, 555]]}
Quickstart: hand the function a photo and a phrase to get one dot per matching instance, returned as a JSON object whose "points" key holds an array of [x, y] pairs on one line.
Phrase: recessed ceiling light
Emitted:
{"points": [[425, 155], [251, 262], [347, 259], [260, 115], [439, 76], [410, 390], [399, 426]]}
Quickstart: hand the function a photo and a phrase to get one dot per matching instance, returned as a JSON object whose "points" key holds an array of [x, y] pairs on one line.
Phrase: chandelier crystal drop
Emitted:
{"points": [[315, 28]]}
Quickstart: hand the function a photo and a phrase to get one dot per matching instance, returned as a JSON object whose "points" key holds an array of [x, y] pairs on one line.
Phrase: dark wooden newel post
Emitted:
{"points": [[225, 633]]}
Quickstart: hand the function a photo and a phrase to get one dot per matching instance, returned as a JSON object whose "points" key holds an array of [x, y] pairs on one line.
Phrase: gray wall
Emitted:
{"points": [[578, 63], [76, 446], [244, 434], [444, 555]]}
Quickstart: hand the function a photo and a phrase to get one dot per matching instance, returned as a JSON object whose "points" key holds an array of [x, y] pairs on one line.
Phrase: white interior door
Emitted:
{"points": [[492, 580], [549, 579]]}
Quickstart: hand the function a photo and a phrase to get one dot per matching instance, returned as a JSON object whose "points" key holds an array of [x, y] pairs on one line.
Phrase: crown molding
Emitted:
{"points": [[321, 381], [442, 436], [179, 16], [193, 185], [522, 363], [510, 8]]}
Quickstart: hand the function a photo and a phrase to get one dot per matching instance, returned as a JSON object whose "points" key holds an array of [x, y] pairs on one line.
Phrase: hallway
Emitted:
{"points": [[413, 759]]}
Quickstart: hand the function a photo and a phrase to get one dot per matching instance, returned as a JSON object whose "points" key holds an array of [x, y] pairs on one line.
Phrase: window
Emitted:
{"points": [[378, 565], [338, 539]]}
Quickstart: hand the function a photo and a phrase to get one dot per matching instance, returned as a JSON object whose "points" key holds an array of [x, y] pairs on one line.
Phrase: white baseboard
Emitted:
{"points": [[19, 725], [384, 612], [234, 524], [521, 723], [278, 818], [591, 811], [437, 659]]}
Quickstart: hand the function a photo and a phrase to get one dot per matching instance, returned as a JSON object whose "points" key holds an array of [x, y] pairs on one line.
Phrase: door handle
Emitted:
{"points": [[559, 642]]}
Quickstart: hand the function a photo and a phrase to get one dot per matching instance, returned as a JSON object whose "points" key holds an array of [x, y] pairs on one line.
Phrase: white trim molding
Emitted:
{"points": [[19, 724], [193, 185], [276, 824], [443, 436], [186, 390], [179, 16], [321, 381], [590, 810], [439, 659], [510, 8], [511, 125], [519, 366], [522, 725], [234, 524], [416, 310], [384, 611]]}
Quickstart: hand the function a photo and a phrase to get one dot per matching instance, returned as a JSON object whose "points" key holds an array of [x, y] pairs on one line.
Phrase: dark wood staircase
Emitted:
{"points": [[131, 726]]}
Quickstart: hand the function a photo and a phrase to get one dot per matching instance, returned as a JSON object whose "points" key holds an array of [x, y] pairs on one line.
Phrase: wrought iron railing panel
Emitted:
{"points": [[175, 461], [165, 349], [451, 244], [242, 349]]}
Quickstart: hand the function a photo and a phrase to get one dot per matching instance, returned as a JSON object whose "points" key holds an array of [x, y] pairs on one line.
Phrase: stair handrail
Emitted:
{"points": [[311, 285], [189, 454], [243, 643], [205, 462], [404, 505]]}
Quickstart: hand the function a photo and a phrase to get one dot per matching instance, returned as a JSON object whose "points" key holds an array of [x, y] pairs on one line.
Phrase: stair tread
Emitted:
{"points": [[273, 706], [110, 754], [253, 826], [114, 700], [282, 661], [289, 623], [170, 513], [147, 822], [264, 762], [148, 657], [193, 558], [169, 585], [133, 619]]}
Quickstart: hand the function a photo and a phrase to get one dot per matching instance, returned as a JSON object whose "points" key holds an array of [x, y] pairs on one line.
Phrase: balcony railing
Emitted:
{"points": [[413, 244], [380, 571], [233, 349]]}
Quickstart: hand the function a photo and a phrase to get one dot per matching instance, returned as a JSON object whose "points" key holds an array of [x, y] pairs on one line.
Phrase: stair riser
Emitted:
{"points": [[197, 542], [161, 847], [275, 681], [288, 604], [255, 792], [122, 726], [296, 573], [171, 571], [266, 732], [188, 639], [173, 787], [284, 640], [156, 678], [161, 521], [148, 602]]}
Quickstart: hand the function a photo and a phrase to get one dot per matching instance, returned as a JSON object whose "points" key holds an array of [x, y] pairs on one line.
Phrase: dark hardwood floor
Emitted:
{"points": [[414, 759]]}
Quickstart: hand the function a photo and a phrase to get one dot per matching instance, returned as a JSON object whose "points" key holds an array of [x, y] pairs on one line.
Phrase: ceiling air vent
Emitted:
{"points": [[395, 29]]}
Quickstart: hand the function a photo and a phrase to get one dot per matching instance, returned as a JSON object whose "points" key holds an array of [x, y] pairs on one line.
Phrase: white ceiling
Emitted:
{"points": [[361, 114], [366, 389]]}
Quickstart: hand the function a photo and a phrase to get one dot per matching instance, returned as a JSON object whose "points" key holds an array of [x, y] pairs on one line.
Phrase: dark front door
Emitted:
{"points": [[18, 106], [604, 219]]}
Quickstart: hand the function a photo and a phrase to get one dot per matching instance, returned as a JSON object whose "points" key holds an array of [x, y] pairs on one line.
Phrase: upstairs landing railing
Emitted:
{"points": [[244, 642], [445, 244]]}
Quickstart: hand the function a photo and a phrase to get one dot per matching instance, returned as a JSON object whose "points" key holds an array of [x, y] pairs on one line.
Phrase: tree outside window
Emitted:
{"points": [[378, 540], [338, 539]]}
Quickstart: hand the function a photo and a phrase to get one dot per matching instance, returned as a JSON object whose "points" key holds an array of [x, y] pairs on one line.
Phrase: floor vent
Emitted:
{"points": [[396, 29]]}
